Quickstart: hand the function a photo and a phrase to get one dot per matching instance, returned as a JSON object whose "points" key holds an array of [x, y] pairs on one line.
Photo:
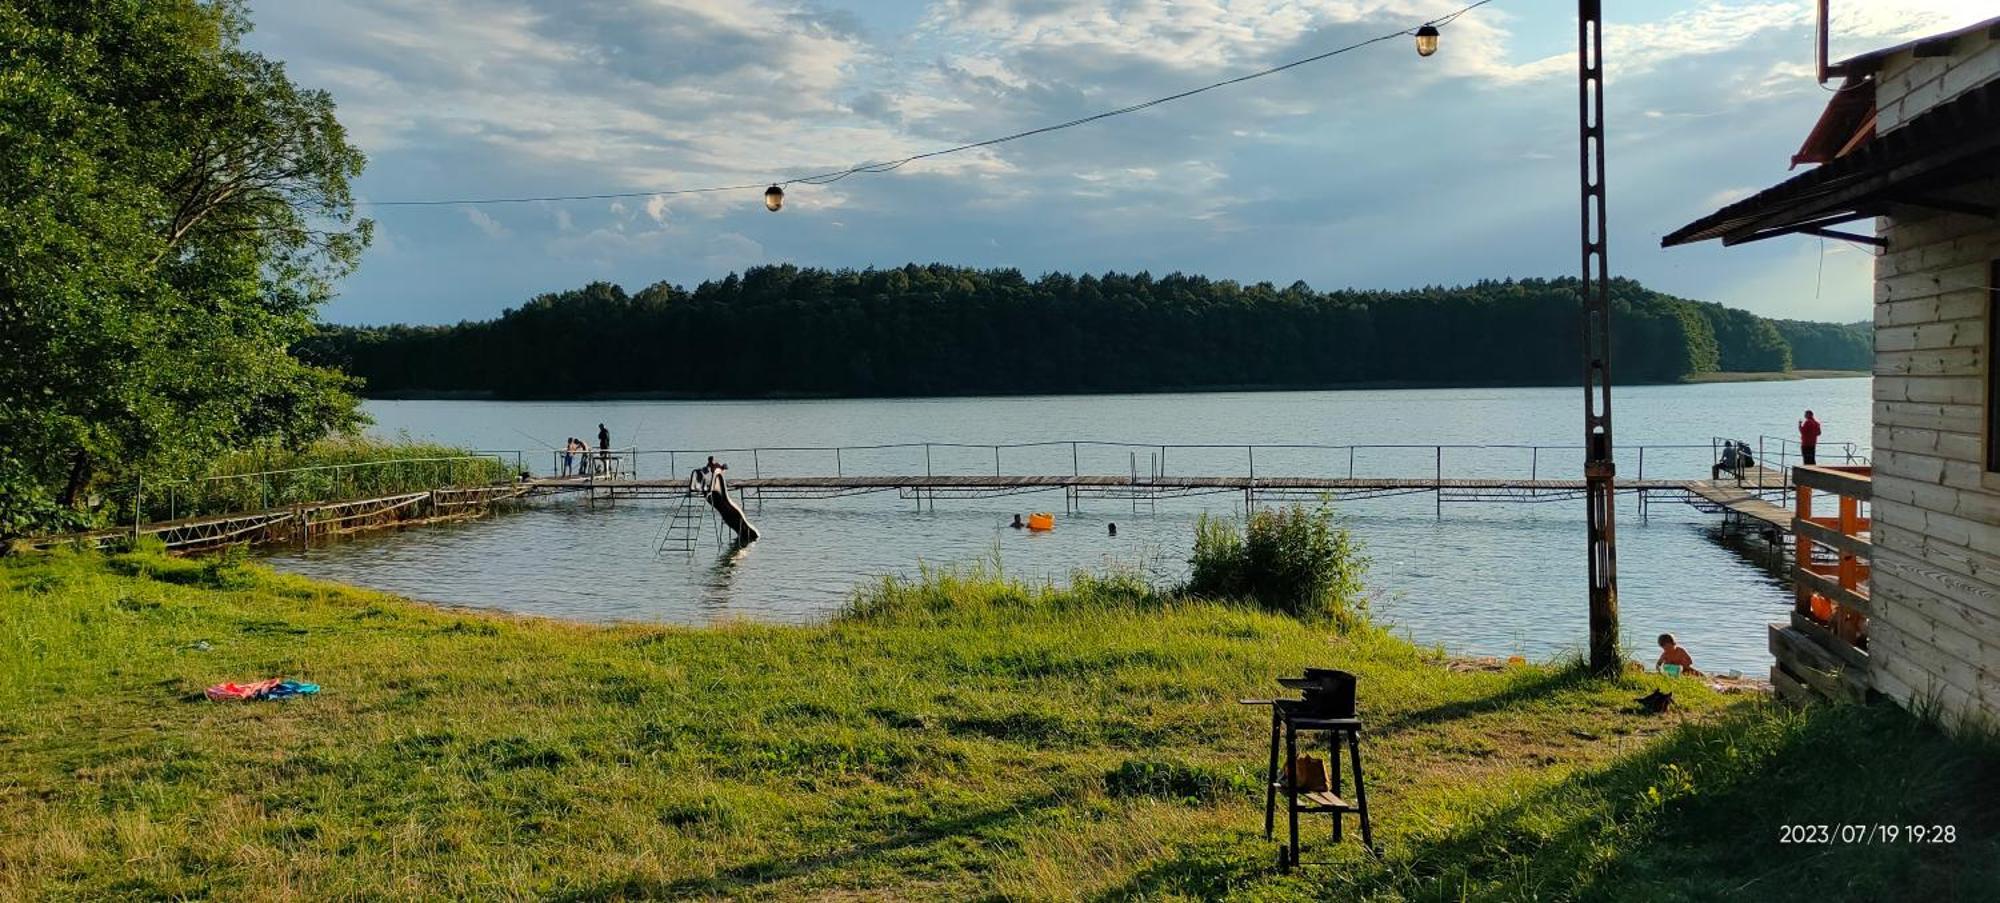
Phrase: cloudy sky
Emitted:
{"points": [[1374, 169]]}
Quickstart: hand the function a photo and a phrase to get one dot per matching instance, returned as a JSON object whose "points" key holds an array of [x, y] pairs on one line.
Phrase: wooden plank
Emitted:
{"points": [[1817, 530], [1853, 482], [1790, 689], [1823, 637], [1819, 668], [1829, 587], [1903, 649]]}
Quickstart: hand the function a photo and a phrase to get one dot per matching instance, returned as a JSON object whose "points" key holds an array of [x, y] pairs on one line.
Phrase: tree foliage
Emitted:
{"points": [[173, 210], [949, 330], [1829, 346]]}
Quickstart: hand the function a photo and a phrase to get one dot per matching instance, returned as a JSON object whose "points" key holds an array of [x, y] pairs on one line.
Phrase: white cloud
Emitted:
{"points": [[486, 223]]}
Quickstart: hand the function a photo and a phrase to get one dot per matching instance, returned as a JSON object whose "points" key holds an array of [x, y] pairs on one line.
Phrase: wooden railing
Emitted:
{"points": [[1823, 651]]}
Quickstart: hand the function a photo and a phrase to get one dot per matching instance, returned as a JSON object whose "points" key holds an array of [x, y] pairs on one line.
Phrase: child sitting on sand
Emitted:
{"points": [[1672, 653]]}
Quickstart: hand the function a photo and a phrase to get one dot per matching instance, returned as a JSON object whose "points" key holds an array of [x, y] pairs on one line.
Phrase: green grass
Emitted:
{"points": [[959, 738]]}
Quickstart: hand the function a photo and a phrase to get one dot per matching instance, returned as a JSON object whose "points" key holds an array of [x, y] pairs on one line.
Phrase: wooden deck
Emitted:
{"points": [[1743, 498]]}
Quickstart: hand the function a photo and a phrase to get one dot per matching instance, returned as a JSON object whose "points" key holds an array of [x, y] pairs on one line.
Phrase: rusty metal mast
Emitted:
{"points": [[1599, 470]]}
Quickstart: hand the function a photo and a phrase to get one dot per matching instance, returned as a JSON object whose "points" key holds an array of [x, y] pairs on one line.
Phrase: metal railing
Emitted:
{"points": [[1143, 461], [230, 493], [1775, 475]]}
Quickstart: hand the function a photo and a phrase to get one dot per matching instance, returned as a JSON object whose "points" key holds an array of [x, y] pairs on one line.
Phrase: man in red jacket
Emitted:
{"points": [[1809, 438]]}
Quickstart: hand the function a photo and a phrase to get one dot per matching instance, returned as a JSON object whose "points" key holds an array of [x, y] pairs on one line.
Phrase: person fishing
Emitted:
{"points": [[1809, 440]]}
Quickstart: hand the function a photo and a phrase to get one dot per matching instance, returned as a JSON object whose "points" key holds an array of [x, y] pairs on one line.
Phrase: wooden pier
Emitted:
{"points": [[1755, 499]]}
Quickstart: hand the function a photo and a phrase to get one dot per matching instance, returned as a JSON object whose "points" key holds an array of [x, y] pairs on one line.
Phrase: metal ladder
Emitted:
{"points": [[684, 525]]}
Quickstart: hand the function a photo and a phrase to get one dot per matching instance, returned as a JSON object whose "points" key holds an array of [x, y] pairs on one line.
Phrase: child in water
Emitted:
{"points": [[1673, 653]]}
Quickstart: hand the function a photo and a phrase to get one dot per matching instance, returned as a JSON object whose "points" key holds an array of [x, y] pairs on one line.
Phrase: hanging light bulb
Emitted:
{"points": [[1427, 40], [774, 198]]}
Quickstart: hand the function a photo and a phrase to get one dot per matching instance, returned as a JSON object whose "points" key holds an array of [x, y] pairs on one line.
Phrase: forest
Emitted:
{"points": [[946, 330]]}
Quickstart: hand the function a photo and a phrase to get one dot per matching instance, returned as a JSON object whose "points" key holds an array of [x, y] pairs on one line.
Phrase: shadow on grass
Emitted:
{"points": [[747, 877], [1700, 814], [1543, 684]]}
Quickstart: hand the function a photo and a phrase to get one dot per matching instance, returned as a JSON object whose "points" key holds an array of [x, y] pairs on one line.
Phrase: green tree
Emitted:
{"points": [[173, 211]]}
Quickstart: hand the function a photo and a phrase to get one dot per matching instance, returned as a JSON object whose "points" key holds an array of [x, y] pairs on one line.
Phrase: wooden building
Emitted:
{"points": [[1904, 601]]}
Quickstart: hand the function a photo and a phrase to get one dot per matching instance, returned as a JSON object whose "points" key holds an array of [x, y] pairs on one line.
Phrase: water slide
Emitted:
{"points": [[718, 498]]}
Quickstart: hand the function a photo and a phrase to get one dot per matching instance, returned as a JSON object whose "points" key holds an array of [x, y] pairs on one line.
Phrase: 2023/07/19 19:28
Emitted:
{"points": [[1867, 833]]}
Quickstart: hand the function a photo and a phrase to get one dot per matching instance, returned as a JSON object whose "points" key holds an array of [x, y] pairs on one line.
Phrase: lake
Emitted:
{"points": [[1483, 579]]}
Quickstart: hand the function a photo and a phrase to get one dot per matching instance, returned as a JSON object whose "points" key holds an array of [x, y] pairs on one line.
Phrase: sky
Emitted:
{"points": [[1373, 169]]}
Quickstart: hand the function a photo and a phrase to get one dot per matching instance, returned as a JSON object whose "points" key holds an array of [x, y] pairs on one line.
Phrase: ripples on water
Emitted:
{"points": [[1492, 579]]}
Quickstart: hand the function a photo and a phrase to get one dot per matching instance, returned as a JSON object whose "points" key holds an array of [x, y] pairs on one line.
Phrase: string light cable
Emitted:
{"points": [[828, 178]]}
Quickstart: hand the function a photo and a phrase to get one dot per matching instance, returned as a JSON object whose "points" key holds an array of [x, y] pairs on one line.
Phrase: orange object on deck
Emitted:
{"points": [[1041, 520]]}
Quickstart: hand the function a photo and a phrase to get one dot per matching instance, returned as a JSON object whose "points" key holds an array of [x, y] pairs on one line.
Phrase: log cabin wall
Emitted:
{"points": [[1935, 631]]}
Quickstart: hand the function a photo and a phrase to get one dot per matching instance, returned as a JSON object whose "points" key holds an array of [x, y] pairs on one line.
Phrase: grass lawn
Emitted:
{"points": [[958, 739]]}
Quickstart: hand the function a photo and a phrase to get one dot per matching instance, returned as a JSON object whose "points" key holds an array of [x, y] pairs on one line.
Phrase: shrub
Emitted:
{"points": [[1293, 560]]}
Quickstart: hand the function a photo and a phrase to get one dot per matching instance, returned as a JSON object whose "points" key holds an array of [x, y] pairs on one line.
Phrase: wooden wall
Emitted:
{"points": [[1935, 634]]}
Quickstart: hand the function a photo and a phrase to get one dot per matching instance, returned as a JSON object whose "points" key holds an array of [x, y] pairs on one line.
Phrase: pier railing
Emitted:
{"points": [[1143, 461], [161, 499]]}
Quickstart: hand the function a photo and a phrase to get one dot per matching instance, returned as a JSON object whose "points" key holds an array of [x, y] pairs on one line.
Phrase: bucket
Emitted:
{"points": [[1041, 520]]}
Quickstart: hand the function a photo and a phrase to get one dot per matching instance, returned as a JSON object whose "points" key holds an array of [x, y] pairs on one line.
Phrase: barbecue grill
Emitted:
{"points": [[1325, 705]]}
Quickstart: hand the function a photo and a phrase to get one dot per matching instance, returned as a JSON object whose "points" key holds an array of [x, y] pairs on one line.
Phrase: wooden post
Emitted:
{"points": [[1802, 554], [1437, 493]]}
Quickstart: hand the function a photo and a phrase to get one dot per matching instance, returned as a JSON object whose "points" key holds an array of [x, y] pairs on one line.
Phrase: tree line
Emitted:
{"points": [[945, 330]]}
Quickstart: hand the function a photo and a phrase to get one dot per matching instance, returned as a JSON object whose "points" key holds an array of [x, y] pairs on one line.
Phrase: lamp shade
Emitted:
{"points": [[1427, 40], [774, 198]]}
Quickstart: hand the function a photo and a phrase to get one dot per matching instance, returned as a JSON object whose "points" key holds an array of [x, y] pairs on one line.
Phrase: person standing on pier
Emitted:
{"points": [[603, 447], [1809, 439]]}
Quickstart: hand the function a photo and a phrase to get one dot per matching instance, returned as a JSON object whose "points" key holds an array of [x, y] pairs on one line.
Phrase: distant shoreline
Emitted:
{"points": [[489, 395], [1774, 377]]}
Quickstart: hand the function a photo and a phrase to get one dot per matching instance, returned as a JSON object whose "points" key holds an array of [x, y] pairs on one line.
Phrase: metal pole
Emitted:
{"points": [[996, 460], [1075, 468], [1251, 450], [1350, 462], [1600, 471], [1534, 463], [836, 462], [756, 469], [1437, 494], [927, 459]]}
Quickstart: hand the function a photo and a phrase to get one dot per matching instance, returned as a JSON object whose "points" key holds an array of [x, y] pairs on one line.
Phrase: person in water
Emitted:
{"points": [[1017, 524], [1673, 653], [1114, 529]]}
